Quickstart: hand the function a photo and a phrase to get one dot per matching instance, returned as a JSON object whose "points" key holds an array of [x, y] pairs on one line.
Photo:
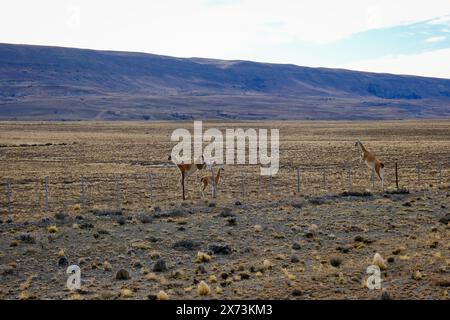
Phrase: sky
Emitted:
{"points": [[395, 36]]}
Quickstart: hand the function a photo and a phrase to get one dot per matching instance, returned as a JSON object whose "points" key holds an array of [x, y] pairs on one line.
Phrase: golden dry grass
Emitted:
{"points": [[99, 151], [276, 245]]}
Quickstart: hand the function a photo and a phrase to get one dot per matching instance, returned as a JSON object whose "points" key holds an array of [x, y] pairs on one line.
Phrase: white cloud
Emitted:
{"points": [[441, 20], [185, 27], [435, 39], [245, 29], [430, 64]]}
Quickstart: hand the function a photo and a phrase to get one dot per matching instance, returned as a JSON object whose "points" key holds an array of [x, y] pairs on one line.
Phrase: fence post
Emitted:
{"points": [[260, 184], [298, 179], [242, 184], [396, 175], [150, 185], [82, 196], [9, 196], [350, 183], [440, 173], [117, 193], [46, 193], [324, 177], [270, 181], [418, 174]]}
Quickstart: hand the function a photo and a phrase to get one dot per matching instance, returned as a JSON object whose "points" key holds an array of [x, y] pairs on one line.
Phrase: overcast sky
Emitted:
{"points": [[397, 36]]}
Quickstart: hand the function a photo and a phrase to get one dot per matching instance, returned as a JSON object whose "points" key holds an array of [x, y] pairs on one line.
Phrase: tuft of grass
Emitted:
{"points": [[162, 296], [277, 235], [150, 276], [24, 295], [379, 261], [141, 245], [203, 289], [341, 278], [61, 253], [258, 228], [289, 275], [126, 293], [212, 279], [202, 257], [417, 275], [267, 264], [107, 266], [155, 254], [52, 229]]}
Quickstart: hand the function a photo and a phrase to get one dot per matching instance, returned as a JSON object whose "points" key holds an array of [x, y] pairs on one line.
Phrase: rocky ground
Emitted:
{"points": [[307, 248]]}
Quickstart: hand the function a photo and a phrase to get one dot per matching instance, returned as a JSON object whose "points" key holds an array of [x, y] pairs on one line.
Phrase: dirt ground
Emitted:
{"points": [[268, 240]]}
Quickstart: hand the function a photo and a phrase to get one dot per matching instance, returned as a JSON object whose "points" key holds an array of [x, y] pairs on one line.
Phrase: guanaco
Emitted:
{"points": [[187, 169], [371, 160], [208, 179]]}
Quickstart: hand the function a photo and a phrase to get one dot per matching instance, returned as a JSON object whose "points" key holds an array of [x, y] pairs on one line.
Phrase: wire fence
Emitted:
{"points": [[161, 186]]}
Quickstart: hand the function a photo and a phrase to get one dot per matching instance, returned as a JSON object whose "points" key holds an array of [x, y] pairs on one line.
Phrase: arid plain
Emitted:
{"points": [[114, 208]]}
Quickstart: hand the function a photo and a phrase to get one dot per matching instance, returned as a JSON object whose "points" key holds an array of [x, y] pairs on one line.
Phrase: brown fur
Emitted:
{"points": [[206, 180], [371, 160], [187, 169]]}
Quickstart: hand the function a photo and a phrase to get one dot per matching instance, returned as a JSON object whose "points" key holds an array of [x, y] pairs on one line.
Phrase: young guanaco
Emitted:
{"points": [[208, 180]]}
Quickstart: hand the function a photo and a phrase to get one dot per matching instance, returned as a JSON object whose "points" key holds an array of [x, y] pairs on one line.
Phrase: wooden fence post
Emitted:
{"points": [[270, 181], [9, 196], [396, 175], [440, 173], [260, 184], [350, 182], [242, 184], [324, 178], [117, 193], [298, 179], [82, 195], [418, 174], [150, 185], [46, 207]]}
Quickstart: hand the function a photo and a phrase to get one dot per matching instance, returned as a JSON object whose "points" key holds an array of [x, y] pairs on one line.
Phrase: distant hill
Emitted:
{"points": [[52, 83]]}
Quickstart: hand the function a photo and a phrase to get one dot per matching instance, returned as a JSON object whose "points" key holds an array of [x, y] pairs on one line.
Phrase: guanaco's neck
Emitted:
{"points": [[363, 149]]}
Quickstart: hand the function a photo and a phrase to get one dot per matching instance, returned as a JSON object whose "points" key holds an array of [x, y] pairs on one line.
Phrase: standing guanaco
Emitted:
{"points": [[208, 179], [371, 160], [186, 169]]}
